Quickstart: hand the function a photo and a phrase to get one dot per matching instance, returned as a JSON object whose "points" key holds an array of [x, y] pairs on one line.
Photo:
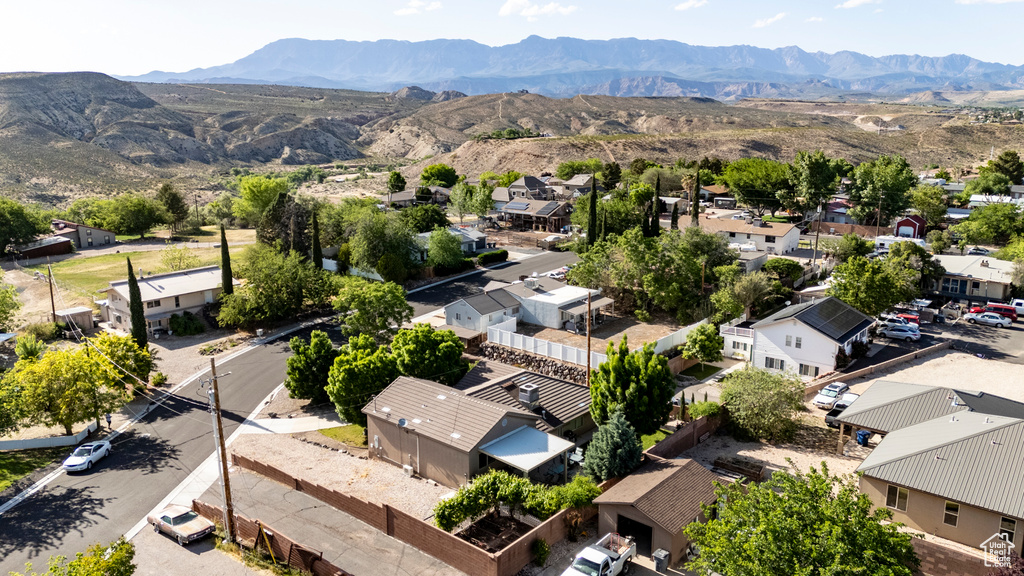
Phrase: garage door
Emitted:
{"points": [[638, 530]]}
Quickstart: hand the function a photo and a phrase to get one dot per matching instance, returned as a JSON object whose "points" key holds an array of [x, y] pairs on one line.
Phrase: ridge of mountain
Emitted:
{"points": [[567, 66]]}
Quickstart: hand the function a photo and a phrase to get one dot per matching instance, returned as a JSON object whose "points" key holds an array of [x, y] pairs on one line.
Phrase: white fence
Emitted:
{"points": [[504, 335], [32, 443], [677, 338]]}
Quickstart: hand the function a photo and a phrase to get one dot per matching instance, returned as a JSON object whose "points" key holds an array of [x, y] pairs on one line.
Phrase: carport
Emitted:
{"points": [[527, 449]]}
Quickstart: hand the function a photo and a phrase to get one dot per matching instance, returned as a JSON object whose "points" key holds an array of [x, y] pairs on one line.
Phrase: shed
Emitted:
{"points": [[912, 226], [78, 318], [48, 246], [655, 502]]}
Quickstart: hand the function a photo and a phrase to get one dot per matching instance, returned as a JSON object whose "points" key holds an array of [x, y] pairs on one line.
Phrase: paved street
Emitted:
{"points": [[148, 462]]}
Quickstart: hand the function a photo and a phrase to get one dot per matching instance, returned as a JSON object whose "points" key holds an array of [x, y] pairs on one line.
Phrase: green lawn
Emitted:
{"points": [[17, 464], [652, 439], [212, 234], [87, 275], [350, 434], [698, 373]]}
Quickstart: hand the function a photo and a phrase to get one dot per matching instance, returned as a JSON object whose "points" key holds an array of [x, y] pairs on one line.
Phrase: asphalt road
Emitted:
{"points": [[434, 297], [148, 461]]}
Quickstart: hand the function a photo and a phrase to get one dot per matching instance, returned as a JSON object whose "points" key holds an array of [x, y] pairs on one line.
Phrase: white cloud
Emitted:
{"points": [[769, 21], [532, 10], [815, 19], [691, 4], [417, 6], [988, 1], [856, 3]]}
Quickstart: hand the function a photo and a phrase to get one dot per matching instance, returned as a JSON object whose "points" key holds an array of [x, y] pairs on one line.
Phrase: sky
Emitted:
{"points": [[131, 37]]}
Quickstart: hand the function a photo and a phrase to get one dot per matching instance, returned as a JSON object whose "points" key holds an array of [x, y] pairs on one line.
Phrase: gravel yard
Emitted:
{"points": [[368, 480], [954, 369]]}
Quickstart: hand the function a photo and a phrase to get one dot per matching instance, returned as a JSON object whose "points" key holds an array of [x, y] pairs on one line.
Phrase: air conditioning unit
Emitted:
{"points": [[529, 393], [408, 470]]}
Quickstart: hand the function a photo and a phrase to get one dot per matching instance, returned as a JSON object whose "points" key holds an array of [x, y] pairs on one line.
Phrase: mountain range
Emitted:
{"points": [[562, 67]]}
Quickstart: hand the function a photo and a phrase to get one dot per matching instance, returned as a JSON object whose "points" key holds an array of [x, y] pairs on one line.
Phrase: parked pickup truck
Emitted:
{"points": [[612, 555]]}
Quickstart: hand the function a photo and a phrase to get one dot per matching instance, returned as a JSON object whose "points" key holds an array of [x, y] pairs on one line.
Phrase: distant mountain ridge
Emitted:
{"points": [[568, 66]]}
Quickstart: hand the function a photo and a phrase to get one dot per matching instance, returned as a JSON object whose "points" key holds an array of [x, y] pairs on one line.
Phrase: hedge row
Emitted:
{"points": [[490, 257]]}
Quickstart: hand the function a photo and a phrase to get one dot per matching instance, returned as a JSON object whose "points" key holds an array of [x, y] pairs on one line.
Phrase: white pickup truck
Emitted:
{"points": [[612, 555], [1018, 303]]}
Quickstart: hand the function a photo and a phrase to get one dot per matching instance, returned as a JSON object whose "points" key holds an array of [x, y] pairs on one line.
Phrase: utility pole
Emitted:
{"points": [[49, 278], [817, 232], [195, 195], [588, 339], [222, 456], [878, 215]]}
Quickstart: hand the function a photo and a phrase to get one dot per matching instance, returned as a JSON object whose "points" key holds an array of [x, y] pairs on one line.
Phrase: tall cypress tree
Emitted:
{"points": [[138, 314], [592, 218], [655, 209], [675, 216], [318, 255], [226, 279]]}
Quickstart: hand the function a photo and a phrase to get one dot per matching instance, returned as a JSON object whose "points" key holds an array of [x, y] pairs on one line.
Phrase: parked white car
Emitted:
{"points": [[904, 333], [86, 455], [988, 319], [829, 395]]}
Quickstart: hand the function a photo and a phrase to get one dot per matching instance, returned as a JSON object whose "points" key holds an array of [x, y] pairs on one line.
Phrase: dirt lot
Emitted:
{"points": [[637, 333], [956, 370]]}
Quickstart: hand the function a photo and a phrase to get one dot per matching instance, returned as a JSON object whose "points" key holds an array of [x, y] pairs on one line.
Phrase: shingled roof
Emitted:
{"points": [[669, 492]]}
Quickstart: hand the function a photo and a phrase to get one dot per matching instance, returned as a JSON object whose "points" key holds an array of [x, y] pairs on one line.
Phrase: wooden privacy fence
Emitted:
{"points": [[687, 436], [422, 535], [254, 534]]}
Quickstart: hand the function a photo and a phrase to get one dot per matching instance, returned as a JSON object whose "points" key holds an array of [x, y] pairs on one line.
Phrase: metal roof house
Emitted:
{"points": [[536, 300], [805, 338], [973, 279], [655, 502], [449, 436], [951, 462]]}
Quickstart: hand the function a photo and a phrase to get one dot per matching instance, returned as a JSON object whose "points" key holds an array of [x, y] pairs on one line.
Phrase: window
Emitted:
{"points": [[117, 318], [769, 239], [732, 234], [952, 513], [490, 317], [748, 236], [106, 239], [739, 346], [88, 232], [954, 286], [177, 304], [515, 310], [774, 363], [789, 340], [458, 316], [896, 498], [153, 304], [89, 240], [806, 370], [1008, 527], [799, 341]]}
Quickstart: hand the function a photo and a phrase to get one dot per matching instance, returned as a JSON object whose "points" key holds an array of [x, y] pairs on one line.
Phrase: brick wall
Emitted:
{"points": [[684, 438], [937, 560]]}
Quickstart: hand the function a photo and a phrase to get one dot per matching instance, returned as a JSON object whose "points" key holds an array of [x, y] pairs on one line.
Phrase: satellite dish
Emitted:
{"points": [[402, 422]]}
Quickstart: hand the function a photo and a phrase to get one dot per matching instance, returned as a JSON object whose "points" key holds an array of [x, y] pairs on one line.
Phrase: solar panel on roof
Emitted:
{"points": [[547, 208], [517, 206], [831, 317]]}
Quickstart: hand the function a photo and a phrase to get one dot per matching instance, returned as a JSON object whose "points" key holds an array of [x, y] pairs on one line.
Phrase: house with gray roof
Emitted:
{"points": [[973, 279], [536, 300], [449, 436], [805, 339], [529, 188], [479, 311], [539, 215]]}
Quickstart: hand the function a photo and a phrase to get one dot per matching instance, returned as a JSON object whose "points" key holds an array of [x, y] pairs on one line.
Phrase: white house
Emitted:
{"points": [[541, 301], [772, 237], [482, 310], [805, 339]]}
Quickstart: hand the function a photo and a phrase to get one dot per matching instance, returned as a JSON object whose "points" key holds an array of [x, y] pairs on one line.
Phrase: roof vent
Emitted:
{"points": [[530, 282], [952, 418], [402, 422], [529, 394], [988, 420]]}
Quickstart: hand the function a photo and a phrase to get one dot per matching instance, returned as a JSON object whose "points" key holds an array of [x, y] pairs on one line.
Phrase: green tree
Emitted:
{"points": [[9, 305], [258, 195], [121, 362], [396, 184], [994, 222], [483, 201], [377, 234], [20, 224], [227, 282], [444, 249], [848, 246], [725, 304], [611, 175], [29, 347], [814, 178], [424, 352], [174, 203], [752, 289], [138, 313], [11, 404], [439, 175], [132, 214], [423, 218], [309, 366], [615, 450], [176, 257], [763, 405], [868, 285], [810, 523], [570, 168], [507, 178], [377, 309], [880, 189], [113, 560], [285, 226], [757, 182], [783, 268], [592, 218], [939, 240], [704, 344], [1009, 164], [674, 225], [361, 370], [390, 268], [317, 253], [460, 201], [991, 186], [639, 381], [914, 267], [930, 203]]}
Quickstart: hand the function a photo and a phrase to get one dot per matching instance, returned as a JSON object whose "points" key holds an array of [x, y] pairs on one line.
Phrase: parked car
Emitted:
{"points": [[842, 404], [1002, 309], [1018, 305], [180, 523], [912, 318], [988, 319], [611, 555], [978, 251], [829, 395], [904, 333], [886, 320], [86, 455]]}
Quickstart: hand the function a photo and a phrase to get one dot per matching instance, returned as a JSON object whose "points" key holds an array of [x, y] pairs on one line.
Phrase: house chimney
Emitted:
{"points": [[529, 394]]}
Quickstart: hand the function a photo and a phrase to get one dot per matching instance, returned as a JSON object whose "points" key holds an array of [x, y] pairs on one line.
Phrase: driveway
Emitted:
{"points": [[1006, 344]]}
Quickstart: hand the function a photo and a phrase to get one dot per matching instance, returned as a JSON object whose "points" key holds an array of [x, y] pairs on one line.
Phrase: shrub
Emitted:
{"points": [[705, 408], [464, 264], [44, 331], [541, 551], [490, 257], [842, 359], [159, 379], [859, 349], [762, 405], [186, 325], [391, 268]]}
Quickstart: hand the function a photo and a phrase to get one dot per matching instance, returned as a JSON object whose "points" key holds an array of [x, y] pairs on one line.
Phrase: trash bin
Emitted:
{"points": [[863, 436], [660, 557]]}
